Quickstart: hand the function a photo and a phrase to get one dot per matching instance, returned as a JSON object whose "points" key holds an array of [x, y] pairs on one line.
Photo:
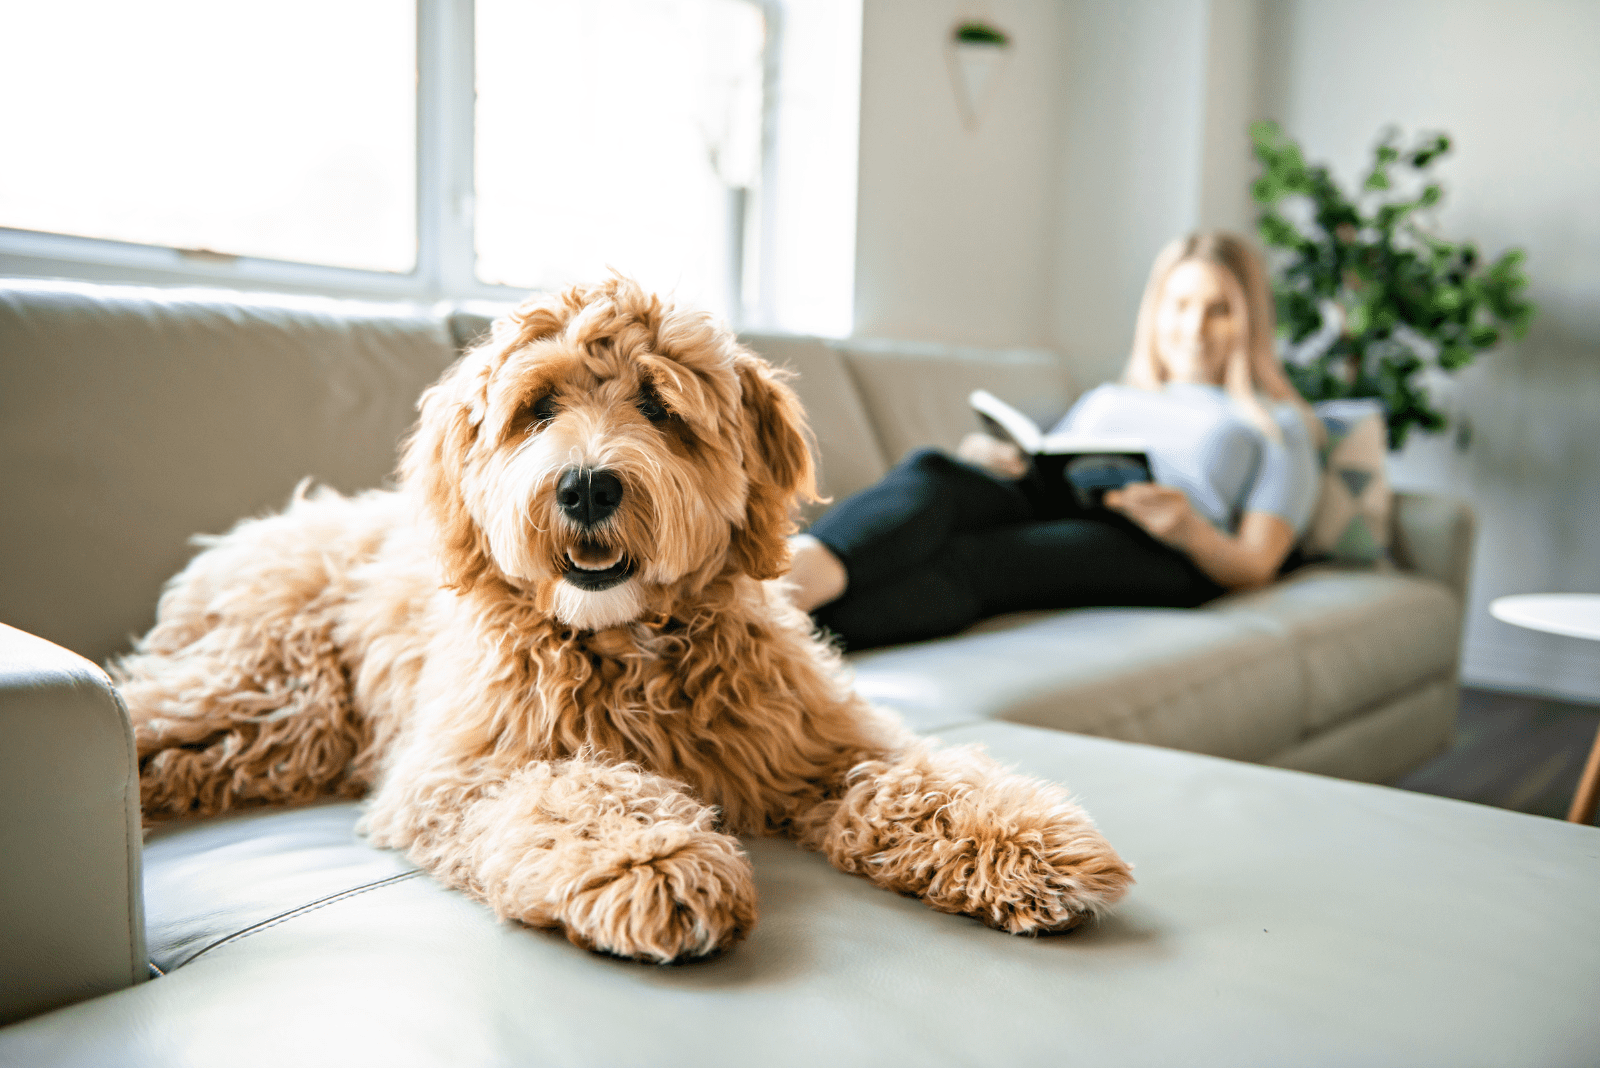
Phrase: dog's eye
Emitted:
{"points": [[651, 408], [540, 412]]}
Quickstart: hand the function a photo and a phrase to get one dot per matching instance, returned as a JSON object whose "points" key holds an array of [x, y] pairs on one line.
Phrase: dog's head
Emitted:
{"points": [[605, 452]]}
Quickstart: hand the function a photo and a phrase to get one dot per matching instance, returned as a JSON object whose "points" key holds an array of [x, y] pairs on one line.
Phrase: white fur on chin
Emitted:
{"points": [[598, 609]]}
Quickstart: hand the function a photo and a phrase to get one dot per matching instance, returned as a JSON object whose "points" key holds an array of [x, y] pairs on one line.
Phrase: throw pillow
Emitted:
{"points": [[1351, 520]]}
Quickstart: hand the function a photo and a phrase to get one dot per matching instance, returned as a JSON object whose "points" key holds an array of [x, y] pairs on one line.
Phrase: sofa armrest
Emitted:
{"points": [[70, 842], [1433, 535]]}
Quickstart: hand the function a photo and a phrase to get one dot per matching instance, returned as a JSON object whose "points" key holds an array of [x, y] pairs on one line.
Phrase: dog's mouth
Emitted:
{"points": [[592, 566]]}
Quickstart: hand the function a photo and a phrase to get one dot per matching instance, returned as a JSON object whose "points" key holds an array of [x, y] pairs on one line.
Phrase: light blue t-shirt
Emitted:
{"points": [[1200, 442]]}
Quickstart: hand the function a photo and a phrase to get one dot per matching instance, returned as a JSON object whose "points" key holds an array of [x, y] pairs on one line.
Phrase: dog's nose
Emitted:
{"points": [[587, 495]]}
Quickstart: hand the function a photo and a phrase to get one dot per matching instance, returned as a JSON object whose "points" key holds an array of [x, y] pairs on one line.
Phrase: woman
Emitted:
{"points": [[940, 543]]}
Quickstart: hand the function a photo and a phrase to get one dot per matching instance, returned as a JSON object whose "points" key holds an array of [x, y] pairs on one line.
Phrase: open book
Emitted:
{"points": [[1088, 465]]}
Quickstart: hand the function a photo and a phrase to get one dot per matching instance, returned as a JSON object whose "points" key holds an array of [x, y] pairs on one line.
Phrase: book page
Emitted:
{"points": [[1003, 421]]}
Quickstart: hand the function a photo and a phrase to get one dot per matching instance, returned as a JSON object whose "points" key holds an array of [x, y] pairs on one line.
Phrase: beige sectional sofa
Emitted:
{"points": [[1279, 917]]}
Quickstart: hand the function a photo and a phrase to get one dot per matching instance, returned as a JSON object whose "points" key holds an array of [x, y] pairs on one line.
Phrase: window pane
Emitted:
{"points": [[283, 130], [617, 133]]}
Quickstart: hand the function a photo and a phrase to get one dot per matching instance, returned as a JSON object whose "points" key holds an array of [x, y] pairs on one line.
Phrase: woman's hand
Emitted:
{"points": [[1164, 512], [998, 457], [1243, 561]]}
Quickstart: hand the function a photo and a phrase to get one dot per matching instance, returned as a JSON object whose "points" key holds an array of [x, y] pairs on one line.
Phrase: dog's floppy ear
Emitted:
{"points": [[432, 459], [777, 463], [453, 410]]}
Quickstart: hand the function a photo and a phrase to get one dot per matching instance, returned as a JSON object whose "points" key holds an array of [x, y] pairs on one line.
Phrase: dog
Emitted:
{"points": [[559, 660]]}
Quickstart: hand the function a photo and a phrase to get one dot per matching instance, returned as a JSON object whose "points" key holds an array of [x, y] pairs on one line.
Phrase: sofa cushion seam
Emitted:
{"points": [[295, 913]]}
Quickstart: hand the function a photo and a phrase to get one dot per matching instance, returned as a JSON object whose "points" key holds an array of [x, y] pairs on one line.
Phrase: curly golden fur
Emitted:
{"points": [[566, 713]]}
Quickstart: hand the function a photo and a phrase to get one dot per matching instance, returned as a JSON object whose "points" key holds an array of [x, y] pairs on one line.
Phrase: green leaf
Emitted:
{"points": [[1429, 151], [1277, 231], [1264, 133], [975, 32], [1357, 320]]}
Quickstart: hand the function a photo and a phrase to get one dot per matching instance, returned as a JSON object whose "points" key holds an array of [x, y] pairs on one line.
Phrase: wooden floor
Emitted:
{"points": [[1513, 751]]}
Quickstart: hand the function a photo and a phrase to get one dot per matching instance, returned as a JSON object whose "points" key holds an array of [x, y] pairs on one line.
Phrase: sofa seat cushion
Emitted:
{"points": [[208, 882], [1360, 636], [1279, 918], [1166, 676], [1247, 677]]}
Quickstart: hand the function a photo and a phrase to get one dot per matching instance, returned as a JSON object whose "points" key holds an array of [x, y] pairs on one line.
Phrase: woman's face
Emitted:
{"points": [[1198, 322]]}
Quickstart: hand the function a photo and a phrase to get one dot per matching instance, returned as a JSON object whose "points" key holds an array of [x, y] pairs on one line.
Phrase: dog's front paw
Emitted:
{"points": [[1028, 881], [958, 831], [670, 895]]}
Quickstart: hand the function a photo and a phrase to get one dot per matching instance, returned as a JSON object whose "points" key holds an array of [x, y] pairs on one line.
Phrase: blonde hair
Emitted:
{"points": [[1253, 369]]}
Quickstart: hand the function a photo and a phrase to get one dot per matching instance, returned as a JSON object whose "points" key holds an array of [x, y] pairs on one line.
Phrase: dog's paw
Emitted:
{"points": [[1032, 882], [663, 901], [958, 831]]}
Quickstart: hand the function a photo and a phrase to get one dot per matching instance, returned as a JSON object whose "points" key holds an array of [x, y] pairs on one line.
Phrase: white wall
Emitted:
{"points": [[1132, 151], [1517, 85], [954, 238]]}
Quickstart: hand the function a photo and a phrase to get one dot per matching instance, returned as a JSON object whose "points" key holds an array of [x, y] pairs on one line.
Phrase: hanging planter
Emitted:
{"points": [[975, 53]]}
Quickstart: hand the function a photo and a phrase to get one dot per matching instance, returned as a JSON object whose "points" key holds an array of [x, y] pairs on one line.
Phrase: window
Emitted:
{"points": [[441, 148], [618, 133], [223, 128]]}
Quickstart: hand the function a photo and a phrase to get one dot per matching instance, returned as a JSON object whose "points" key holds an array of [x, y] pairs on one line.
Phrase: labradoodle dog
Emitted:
{"points": [[555, 662]]}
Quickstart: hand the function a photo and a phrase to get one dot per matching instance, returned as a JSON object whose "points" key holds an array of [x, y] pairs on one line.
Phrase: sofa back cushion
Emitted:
{"points": [[916, 394], [132, 418], [847, 452]]}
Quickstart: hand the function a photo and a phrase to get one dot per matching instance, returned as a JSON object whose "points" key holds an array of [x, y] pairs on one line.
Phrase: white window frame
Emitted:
{"points": [[446, 257]]}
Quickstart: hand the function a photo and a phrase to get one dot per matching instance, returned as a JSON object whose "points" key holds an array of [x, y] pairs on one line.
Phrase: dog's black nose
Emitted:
{"points": [[587, 495]]}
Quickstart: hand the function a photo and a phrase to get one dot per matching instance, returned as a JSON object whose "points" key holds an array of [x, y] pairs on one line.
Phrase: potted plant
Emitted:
{"points": [[975, 50], [1375, 292]]}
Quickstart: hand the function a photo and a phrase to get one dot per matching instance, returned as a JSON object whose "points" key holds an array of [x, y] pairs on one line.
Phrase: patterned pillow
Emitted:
{"points": [[1351, 520]]}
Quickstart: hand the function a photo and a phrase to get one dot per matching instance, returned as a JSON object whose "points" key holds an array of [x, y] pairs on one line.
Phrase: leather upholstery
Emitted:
{"points": [[1279, 918], [132, 419], [1433, 536], [916, 394], [1356, 636], [70, 922], [1382, 743]]}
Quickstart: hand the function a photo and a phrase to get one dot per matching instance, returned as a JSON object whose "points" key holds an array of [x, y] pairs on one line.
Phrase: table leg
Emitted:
{"points": [[1588, 795]]}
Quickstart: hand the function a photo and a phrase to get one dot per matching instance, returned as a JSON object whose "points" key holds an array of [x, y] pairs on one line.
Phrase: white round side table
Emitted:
{"points": [[1575, 615]]}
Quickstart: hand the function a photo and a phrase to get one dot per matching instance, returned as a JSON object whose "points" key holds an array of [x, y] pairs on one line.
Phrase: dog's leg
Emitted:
{"points": [[954, 828], [240, 718], [241, 694], [625, 861]]}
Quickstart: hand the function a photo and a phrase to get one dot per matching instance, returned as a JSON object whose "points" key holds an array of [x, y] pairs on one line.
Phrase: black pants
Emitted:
{"points": [[940, 544]]}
